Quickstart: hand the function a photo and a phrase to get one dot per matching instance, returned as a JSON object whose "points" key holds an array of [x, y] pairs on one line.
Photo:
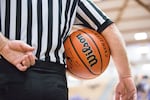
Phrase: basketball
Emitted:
{"points": [[87, 53]]}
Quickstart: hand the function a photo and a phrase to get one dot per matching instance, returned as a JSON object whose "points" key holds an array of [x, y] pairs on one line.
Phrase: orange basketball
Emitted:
{"points": [[87, 53]]}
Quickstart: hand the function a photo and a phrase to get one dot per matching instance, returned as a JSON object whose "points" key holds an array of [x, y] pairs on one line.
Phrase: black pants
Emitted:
{"points": [[43, 81]]}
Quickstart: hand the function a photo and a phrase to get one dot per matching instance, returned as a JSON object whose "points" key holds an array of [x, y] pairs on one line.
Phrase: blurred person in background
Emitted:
{"points": [[143, 88]]}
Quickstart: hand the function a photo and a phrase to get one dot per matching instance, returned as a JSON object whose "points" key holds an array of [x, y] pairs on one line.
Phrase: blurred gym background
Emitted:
{"points": [[133, 19]]}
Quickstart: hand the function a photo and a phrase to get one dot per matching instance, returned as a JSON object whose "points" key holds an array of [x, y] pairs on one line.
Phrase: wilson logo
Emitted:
{"points": [[87, 50]]}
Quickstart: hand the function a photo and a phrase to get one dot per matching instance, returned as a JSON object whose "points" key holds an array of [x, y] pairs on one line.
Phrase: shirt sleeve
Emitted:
{"points": [[91, 16]]}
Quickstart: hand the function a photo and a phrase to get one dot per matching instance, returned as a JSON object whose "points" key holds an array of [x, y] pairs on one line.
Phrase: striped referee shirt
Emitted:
{"points": [[44, 24]]}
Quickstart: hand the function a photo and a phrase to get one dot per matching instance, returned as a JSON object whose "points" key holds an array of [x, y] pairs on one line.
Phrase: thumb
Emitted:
{"points": [[25, 47], [20, 46], [117, 96], [117, 93]]}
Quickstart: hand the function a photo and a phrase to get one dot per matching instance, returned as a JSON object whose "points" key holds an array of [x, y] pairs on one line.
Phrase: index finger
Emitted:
{"points": [[21, 67]]}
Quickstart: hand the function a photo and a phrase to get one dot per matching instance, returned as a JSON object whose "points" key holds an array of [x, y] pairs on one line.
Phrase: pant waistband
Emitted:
{"points": [[40, 65], [49, 67]]}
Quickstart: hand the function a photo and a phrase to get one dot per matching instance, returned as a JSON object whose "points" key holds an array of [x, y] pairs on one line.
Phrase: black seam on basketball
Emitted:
{"points": [[96, 47], [81, 59]]}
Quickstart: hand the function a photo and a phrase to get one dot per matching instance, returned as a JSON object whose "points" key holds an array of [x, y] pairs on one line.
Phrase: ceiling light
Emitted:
{"points": [[140, 36], [143, 50], [146, 67]]}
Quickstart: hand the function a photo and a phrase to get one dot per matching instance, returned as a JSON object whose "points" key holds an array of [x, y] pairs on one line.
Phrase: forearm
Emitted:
{"points": [[118, 51], [3, 41]]}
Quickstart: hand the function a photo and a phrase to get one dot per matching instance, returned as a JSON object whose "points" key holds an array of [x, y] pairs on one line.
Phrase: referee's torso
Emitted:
{"points": [[44, 24]]}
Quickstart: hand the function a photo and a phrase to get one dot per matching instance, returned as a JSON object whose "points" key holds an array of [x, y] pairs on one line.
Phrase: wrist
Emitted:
{"points": [[125, 76], [3, 42], [125, 73]]}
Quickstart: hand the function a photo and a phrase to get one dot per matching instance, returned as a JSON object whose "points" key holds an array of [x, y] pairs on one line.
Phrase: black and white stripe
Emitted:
{"points": [[44, 24], [89, 15]]}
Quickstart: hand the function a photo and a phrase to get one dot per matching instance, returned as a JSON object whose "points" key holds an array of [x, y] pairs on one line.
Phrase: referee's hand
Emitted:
{"points": [[19, 54], [126, 89]]}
